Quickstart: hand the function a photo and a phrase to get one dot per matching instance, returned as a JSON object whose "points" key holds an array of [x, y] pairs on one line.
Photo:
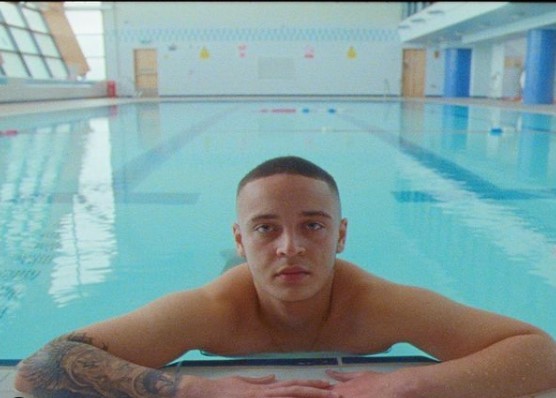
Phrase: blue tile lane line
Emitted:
{"points": [[139, 168], [447, 169]]}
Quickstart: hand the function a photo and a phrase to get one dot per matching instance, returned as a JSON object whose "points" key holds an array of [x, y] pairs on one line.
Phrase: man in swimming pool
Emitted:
{"points": [[293, 294]]}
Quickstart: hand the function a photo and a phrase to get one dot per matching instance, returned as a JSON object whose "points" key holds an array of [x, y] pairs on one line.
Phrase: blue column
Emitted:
{"points": [[539, 67], [457, 72]]}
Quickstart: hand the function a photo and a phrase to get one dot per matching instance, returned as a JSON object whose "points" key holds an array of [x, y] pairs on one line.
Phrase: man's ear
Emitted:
{"points": [[342, 236], [237, 238]]}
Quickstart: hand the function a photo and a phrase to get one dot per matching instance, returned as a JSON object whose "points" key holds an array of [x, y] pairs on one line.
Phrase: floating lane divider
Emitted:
{"points": [[279, 110], [329, 110], [293, 110], [8, 133]]}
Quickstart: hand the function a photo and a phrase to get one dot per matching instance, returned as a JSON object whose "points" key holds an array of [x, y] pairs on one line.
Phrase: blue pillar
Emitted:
{"points": [[539, 67], [457, 72]]}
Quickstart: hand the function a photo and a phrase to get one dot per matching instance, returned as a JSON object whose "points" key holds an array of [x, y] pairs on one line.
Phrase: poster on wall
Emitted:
{"points": [[204, 54], [242, 50]]}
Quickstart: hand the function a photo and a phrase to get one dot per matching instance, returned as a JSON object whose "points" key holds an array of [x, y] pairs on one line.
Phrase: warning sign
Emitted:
{"points": [[352, 54]]}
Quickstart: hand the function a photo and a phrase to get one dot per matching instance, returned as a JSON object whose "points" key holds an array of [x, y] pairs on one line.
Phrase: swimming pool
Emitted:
{"points": [[104, 209]]}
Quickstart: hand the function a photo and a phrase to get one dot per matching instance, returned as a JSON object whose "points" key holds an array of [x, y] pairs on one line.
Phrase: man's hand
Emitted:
{"points": [[364, 384], [254, 387]]}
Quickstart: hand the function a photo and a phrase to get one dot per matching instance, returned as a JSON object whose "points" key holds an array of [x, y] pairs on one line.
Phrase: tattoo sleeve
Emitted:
{"points": [[71, 367]]}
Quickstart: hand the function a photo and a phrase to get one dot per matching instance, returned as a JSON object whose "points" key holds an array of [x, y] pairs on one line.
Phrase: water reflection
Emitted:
{"points": [[489, 210], [484, 220], [534, 146], [87, 237], [29, 171], [455, 125], [56, 205]]}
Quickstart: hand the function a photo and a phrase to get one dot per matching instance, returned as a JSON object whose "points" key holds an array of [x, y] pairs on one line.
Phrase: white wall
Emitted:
{"points": [[496, 70], [434, 75], [480, 67], [259, 48]]}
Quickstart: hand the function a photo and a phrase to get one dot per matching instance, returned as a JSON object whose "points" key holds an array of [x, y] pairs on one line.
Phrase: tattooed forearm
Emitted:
{"points": [[82, 338], [68, 368]]}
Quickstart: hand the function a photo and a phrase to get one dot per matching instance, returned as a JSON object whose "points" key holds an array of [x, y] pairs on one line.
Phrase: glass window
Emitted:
{"points": [[85, 18], [85, 22], [13, 65], [36, 66], [98, 69], [5, 39], [11, 14], [24, 41], [27, 45], [34, 20], [57, 67], [91, 45], [47, 45]]}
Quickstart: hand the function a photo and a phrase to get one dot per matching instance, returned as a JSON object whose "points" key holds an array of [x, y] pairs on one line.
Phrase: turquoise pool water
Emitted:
{"points": [[104, 209]]}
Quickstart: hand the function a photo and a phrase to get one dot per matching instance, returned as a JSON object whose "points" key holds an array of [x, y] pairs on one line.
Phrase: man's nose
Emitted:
{"points": [[290, 244]]}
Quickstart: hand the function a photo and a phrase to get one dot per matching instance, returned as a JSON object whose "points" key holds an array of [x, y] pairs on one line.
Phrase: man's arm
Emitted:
{"points": [[72, 366], [122, 357], [515, 367], [483, 354]]}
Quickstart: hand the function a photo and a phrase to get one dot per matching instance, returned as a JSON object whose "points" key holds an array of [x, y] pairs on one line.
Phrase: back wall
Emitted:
{"points": [[258, 48]]}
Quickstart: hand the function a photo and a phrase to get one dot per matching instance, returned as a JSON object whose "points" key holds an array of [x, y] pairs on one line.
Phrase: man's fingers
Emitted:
{"points": [[258, 380], [343, 376], [304, 383], [300, 392]]}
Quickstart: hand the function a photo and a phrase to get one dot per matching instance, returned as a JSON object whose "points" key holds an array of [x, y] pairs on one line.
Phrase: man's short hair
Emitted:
{"points": [[293, 165]]}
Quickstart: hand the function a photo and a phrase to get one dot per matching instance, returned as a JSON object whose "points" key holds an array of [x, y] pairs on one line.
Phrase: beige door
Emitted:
{"points": [[414, 61], [146, 72]]}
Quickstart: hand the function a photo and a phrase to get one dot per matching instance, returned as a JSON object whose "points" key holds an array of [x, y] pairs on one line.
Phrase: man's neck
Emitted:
{"points": [[298, 316]]}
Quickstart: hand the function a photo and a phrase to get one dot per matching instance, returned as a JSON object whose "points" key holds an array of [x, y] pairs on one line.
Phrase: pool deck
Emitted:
{"points": [[18, 108]]}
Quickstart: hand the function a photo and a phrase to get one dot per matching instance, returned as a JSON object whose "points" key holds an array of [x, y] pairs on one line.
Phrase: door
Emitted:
{"points": [[414, 61], [146, 72]]}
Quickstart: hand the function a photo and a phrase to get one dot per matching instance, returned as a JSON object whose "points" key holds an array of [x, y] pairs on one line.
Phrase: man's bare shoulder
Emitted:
{"points": [[369, 292], [357, 279], [218, 299], [361, 293], [233, 285]]}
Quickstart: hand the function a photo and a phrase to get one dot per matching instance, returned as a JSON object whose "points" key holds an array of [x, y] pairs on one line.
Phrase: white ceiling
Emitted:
{"points": [[466, 23]]}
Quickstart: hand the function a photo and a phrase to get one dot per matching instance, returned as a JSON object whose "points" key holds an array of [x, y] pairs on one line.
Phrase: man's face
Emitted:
{"points": [[289, 230]]}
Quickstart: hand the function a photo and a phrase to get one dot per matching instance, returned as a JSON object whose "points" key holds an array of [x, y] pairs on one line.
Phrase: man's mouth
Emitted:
{"points": [[293, 274]]}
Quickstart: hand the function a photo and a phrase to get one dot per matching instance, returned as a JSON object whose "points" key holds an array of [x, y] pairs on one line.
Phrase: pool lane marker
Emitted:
{"points": [[293, 110], [279, 110], [8, 133]]}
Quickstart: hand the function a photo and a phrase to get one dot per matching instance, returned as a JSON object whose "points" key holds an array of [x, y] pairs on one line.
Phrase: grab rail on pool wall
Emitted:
{"points": [[303, 360]]}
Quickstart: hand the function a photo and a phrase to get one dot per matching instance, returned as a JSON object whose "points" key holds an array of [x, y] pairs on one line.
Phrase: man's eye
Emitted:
{"points": [[315, 226], [264, 228]]}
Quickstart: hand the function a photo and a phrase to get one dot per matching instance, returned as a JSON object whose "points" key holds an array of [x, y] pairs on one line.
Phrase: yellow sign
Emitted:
{"points": [[351, 54], [204, 54]]}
